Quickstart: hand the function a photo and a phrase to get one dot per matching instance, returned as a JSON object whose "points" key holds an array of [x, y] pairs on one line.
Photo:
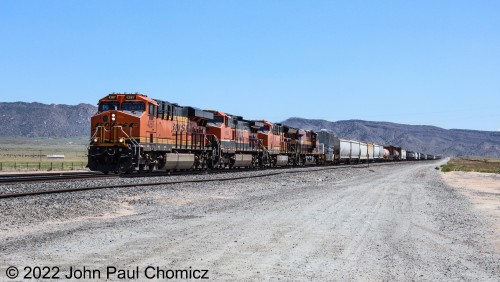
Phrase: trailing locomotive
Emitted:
{"points": [[132, 132]]}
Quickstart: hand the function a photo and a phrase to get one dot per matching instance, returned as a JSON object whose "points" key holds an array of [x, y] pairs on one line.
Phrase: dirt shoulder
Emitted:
{"points": [[483, 190], [398, 222]]}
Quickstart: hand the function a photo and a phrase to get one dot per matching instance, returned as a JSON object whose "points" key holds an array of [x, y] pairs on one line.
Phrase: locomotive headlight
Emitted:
{"points": [[96, 140], [121, 140], [113, 117]]}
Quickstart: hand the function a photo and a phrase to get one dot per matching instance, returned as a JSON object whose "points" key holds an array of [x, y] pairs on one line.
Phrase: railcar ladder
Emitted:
{"points": [[134, 143]]}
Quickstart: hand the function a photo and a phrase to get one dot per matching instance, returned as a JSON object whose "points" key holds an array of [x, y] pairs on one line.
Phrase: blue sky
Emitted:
{"points": [[415, 62]]}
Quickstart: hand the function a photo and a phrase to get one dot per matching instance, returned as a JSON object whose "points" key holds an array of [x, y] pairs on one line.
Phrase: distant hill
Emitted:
{"points": [[420, 138], [42, 120]]}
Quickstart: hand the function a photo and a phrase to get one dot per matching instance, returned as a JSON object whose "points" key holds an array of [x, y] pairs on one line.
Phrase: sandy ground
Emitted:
{"points": [[387, 223], [483, 190]]}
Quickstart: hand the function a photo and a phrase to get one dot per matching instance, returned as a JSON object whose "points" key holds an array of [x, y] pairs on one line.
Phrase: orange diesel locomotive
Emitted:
{"points": [[134, 132]]}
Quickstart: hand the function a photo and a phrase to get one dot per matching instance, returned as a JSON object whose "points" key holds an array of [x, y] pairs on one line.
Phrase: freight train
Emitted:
{"points": [[132, 132]]}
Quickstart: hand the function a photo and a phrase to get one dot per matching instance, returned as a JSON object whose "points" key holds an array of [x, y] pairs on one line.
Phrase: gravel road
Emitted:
{"points": [[394, 222]]}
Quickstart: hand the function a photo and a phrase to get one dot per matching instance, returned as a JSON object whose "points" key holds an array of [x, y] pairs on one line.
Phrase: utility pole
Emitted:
{"points": [[40, 155]]}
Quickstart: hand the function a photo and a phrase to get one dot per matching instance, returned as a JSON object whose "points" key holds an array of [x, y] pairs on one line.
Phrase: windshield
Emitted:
{"points": [[218, 119], [265, 128], [107, 106], [133, 106]]}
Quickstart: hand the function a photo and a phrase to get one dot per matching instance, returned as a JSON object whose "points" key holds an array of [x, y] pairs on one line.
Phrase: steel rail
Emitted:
{"points": [[39, 177]]}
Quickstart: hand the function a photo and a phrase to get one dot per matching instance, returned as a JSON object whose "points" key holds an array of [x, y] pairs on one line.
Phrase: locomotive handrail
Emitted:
{"points": [[218, 143], [132, 140], [263, 148], [92, 137], [134, 143]]}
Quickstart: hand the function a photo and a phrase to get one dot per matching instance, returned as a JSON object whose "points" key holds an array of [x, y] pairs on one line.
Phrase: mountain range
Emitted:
{"points": [[42, 120], [420, 138]]}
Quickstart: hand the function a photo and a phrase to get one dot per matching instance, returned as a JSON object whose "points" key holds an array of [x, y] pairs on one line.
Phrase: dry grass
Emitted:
{"points": [[21, 153], [472, 164]]}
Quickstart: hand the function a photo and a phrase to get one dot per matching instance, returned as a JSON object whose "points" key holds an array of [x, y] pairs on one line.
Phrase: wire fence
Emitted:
{"points": [[45, 166]]}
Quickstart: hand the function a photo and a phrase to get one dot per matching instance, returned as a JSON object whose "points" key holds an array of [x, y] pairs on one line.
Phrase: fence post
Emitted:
{"points": [[51, 166], [62, 166], [1, 166], [40, 166]]}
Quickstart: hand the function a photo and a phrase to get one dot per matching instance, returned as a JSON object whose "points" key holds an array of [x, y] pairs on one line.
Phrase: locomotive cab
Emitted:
{"points": [[113, 130]]}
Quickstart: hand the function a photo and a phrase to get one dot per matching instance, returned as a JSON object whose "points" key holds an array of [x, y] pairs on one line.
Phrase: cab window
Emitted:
{"points": [[108, 106], [265, 128], [133, 106], [218, 119], [152, 110]]}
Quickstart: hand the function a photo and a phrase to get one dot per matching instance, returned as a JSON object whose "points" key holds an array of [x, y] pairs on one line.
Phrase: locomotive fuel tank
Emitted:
{"points": [[178, 161], [281, 160], [242, 160]]}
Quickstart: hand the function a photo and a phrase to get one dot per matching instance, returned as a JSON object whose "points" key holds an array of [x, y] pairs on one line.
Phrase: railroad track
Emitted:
{"points": [[45, 177], [286, 170]]}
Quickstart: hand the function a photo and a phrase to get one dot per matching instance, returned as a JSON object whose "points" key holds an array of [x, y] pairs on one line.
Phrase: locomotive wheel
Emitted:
{"points": [[212, 163], [125, 165]]}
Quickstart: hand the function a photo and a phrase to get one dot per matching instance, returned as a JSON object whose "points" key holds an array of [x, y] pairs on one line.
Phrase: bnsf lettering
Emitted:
{"points": [[196, 130], [179, 127]]}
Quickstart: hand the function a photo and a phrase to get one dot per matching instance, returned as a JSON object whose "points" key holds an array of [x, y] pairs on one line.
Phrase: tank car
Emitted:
{"points": [[394, 153]]}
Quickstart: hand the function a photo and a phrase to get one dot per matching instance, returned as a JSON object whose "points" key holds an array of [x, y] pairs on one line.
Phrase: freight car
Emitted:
{"points": [[132, 132], [411, 156]]}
